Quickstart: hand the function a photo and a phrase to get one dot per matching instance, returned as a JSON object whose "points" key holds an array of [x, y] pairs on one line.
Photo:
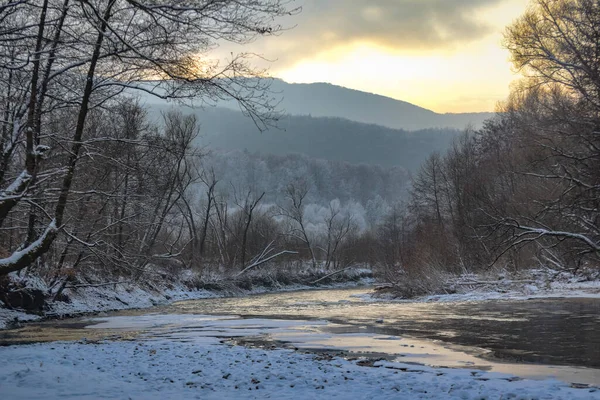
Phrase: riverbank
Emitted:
{"points": [[501, 285], [87, 298], [122, 295], [207, 369]]}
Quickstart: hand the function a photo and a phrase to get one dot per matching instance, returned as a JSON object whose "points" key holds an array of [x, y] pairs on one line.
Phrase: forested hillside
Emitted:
{"points": [[333, 139], [326, 180]]}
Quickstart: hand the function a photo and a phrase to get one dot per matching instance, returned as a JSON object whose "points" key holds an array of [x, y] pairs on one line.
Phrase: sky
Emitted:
{"points": [[445, 55]]}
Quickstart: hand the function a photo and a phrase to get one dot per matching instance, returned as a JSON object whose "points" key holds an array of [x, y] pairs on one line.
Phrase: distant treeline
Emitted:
{"points": [[523, 191], [327, 180]]}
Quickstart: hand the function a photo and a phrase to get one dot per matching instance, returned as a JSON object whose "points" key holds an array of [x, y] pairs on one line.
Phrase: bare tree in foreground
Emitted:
{"points": [[76, 57]]}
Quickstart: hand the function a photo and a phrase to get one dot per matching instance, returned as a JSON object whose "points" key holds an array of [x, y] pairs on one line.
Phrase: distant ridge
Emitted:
{"points": [[327, 100], [329, 122]]}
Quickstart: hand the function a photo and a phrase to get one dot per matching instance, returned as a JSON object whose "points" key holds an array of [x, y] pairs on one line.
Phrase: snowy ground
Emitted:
{"points": [[532, 284], [203, 368], [209, 370], [105, 298]]}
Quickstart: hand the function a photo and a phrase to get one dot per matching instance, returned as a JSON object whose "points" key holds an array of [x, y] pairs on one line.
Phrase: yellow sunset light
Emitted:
{"points": [[460, 78]]}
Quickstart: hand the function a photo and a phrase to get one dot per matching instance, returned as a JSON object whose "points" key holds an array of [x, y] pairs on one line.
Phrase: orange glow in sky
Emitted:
{"points": [[469, 76]]}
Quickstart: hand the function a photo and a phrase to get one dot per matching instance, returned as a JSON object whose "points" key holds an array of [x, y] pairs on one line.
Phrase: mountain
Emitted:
{"points": [[333, 123], [327, 100], [327, 138]]}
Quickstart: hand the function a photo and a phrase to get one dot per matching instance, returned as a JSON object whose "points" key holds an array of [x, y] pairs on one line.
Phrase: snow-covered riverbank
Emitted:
{"points": [[127, 295], [209, 370], [532, 284]]}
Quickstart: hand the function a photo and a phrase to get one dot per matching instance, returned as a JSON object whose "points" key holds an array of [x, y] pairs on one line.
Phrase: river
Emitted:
{"points": [[527, 339]]}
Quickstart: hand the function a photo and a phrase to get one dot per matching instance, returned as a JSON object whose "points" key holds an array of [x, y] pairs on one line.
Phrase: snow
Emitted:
{"points": [[120, 296], [8, 316], [19, 254], [16, 186], [206, 369], [557, 289], [126, 295], [40, 150], [530, 284]]}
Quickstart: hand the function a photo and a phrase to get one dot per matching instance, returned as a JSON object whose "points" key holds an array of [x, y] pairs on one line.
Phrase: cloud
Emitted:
{"points": [[398, 25]]}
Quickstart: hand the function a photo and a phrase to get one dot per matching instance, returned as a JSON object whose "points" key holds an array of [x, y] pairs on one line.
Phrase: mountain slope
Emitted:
{"points": [[333, 139], [327, 100]]}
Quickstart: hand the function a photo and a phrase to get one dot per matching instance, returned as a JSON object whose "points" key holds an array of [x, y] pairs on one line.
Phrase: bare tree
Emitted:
{"points": [[210, 181], [556, 44], [427, 189], [247, 206], [339, 224], [294, 211], [80, 56]]}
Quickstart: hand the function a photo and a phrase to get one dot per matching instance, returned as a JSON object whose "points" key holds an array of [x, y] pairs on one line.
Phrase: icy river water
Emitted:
{"points": [[526, 338]]}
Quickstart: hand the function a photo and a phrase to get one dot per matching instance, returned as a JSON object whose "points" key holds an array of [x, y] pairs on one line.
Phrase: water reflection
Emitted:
{"points": [[551, 331], [503, 336]]}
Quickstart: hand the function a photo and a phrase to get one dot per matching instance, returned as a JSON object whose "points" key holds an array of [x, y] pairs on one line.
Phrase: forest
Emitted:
{"points": [[523, 191], [94, 190]]}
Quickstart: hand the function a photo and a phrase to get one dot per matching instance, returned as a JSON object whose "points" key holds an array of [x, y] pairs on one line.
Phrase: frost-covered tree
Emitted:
{"points": [[556, 110], [59, 57]]}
